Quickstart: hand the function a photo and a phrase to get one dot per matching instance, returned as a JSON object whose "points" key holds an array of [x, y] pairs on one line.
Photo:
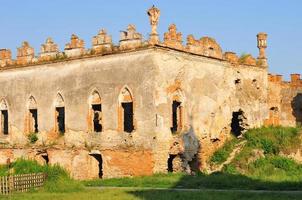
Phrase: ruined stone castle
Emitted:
{"points": [[137, 108]]}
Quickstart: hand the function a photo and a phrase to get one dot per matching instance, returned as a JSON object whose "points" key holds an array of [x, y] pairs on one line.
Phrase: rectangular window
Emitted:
{"points": [[4, 122], [61, 119]]}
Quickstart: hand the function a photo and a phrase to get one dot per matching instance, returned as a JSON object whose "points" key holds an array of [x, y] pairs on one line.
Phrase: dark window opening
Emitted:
{"points": [[46, 159], [237, 124], [97, 118], [170, 163], [4, 122], [61, 119], [175, 116], [98, 157], [34, 119], [128, 117]]}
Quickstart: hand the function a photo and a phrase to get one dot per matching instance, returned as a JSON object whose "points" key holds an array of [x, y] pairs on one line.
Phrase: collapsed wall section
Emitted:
{"points": [[211, 93]]}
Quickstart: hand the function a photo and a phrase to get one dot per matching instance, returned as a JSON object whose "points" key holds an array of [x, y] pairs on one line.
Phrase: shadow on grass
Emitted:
{"points": [[224, 182]]}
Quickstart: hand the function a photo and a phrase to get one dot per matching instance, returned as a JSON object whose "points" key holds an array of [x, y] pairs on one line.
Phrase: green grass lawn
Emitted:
{"points": [[121, 194], [269, 172], [200, 181]]}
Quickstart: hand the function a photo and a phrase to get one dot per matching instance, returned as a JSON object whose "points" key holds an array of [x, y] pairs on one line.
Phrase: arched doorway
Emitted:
{"points": [[99, 159]]}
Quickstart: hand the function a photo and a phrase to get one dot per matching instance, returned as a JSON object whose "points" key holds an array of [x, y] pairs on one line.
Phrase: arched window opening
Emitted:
{"points": [[126, 112], [177, 113], [32, 116], [60, 114], [4, 117], [96, 110]]}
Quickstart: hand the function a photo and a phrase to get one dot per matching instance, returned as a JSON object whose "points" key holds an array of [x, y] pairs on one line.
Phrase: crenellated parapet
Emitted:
{"points": [[102, 42], [130, 39], [75, 48], [25, 54], [172, 38], [206, 46], [231, 57], [5, 57], [49, 50]]}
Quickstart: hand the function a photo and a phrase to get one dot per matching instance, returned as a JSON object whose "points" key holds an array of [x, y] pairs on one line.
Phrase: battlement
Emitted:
{"points": [[130, 39], [294, 80]]}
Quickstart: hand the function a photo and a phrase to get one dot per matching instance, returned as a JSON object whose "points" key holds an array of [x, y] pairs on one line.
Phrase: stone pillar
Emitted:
{"points": [[262, 44], [154, 14]]}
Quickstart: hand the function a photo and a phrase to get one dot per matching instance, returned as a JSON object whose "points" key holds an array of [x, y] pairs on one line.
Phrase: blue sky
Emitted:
{"points": [[233, 23]]}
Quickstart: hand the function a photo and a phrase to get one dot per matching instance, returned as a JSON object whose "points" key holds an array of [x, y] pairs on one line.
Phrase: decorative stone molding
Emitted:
{"points": [[262, 45], [5, 57], [130, 39], [231, 57], [25, 54], [49, 50], [210, 48], [102, 42], [154, 14], [75, 48], [206, 46], [172, 38]]}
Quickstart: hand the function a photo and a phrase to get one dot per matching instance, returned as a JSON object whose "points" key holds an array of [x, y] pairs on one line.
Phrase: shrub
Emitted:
{"points": [[223, 153], [32, 137], [58, 180]]}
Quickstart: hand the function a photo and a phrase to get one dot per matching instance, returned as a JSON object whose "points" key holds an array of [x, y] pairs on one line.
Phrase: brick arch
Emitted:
{"points": [[59, 102], [32, 103], [3, 104]]}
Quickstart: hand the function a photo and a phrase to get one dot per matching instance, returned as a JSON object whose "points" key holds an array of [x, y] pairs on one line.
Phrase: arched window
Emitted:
{"points": [[125, 111], [32, 117], [95, 112], [60, 114], [4, 117], [177, 112]]}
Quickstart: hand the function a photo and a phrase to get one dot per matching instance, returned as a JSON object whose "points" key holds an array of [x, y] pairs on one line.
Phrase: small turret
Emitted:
{"points": [[262, 44]]}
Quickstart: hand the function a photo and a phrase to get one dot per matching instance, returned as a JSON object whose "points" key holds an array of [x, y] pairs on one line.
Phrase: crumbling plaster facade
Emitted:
{"points": [[158, 106]]}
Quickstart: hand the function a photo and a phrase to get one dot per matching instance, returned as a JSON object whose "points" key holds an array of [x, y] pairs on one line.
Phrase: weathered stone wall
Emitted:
{"points": [[284, 101], [210, 94], [210, 90]]}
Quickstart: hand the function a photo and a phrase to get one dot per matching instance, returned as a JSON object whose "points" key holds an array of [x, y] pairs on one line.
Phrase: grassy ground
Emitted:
{"points": [[118, 194], [271, 171]]}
